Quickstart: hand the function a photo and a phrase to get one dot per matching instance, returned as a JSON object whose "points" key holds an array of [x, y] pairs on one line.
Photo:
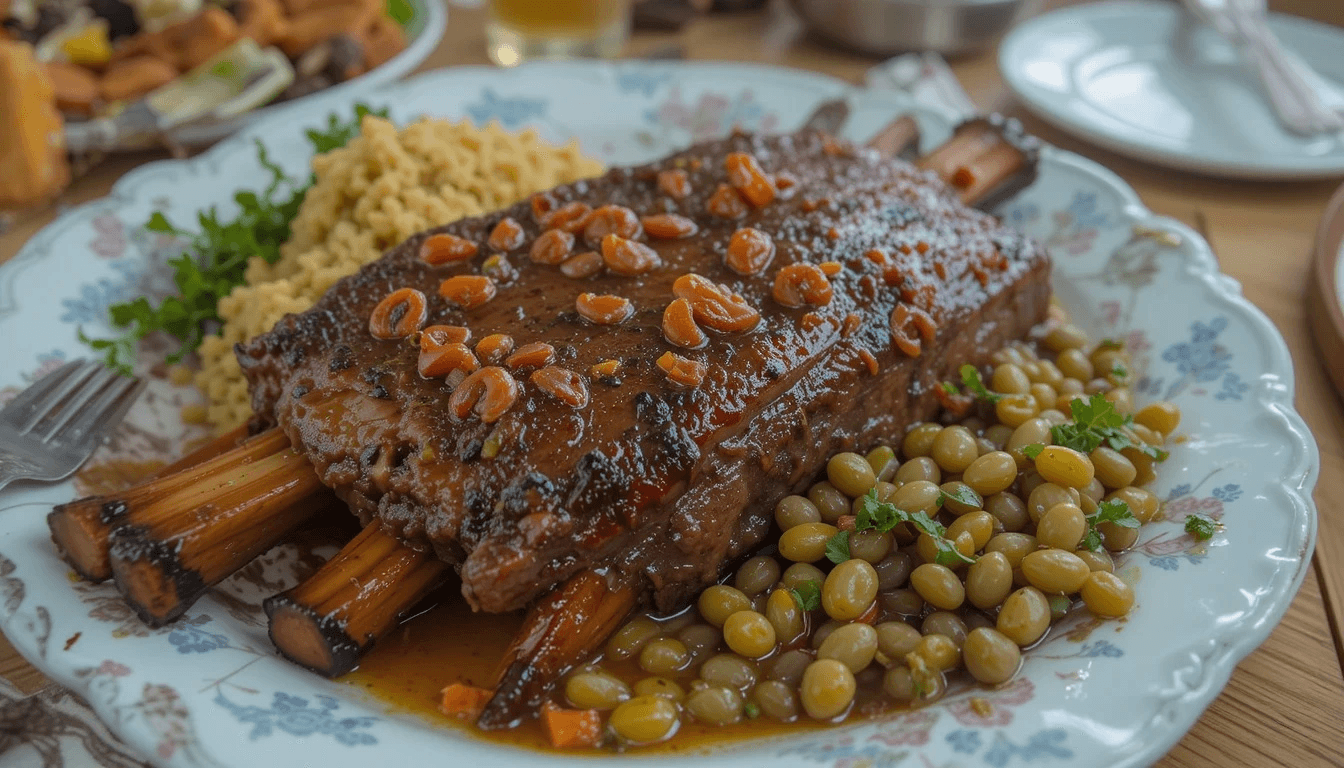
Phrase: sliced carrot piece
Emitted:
{"points": [[572, 727], [464, 702]]}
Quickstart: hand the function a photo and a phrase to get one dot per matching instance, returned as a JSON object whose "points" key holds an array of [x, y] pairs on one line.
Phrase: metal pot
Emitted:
{"points": [[885, 27]]}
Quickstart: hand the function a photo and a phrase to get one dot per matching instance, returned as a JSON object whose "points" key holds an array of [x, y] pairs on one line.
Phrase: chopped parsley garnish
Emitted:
{"points": [[1114, 511], [807, 595], [884, 516], [752, 710], [1033, 450], [962, 494], [215, 256], [1201, 527], [1110, 344], [1095, 421], [950, 388], [837, 547], [970, 378], [1119, 372]]}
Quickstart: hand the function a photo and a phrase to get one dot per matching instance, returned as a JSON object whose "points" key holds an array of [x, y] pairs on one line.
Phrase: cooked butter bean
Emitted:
{"points": [[954, 449], [1064, 467], [1016, 410], [1009, 379], [905, 602], [850, 588], [1055, 571], [749, 634], [595, 690], [757, 575], [946, 624], [720, 601], [1161, 416], [980, 526], [830, 502], [919, 440], [939, 586], [782, 611], [893, 570], [1098, 560], [896, 638], [1009, 510], [800, 573], [1142, 503], [992, 473], [919, 468], [793, 511], [730, 670], [1025, 616], [776, 700], [664, 656], [918, 496], [806, 543], [1014, 546], [883, 462], [630, 639], [788, 667], [660, 686], [989, 580], [827, 689], [1062, 527], [853, 645], [1105, 594], [870, 546], [700, 639], [958, 490], [1046, 496], [990, 656], [851, 474], [645, 719], [715, 705], [939, 652], [1113, 469]]}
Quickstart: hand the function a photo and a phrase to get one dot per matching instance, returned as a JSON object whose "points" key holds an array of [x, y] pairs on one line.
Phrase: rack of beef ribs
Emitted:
{"points": [[621, 376]]}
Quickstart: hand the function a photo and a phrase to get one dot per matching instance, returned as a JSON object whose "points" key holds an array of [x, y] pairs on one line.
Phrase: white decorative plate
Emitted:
{"points": [[210, 690], [1142, 78]]}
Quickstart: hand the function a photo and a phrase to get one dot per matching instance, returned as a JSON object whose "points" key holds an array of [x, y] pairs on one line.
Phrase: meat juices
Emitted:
{"points": [[652, 474]]}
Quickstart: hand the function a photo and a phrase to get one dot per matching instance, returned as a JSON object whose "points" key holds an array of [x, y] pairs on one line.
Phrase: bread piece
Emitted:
{"points": [[263, 20], [134, 77], [325, 22], [32, 150], [76, 87], [382, 40]]}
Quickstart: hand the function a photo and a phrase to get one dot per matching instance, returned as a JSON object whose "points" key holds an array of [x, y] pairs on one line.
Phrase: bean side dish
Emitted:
{"points": [[908, 570]]}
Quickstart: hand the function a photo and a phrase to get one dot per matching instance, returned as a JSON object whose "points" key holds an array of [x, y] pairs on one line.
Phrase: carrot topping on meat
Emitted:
{"points": [[399, 315], [679, 326], [799, 284], [714, 306], [686, 372], [749, 251], [464, 702], [488, 392], [533, 355], [582, 265], [467, 291], [727, 203], [675, 183], [910, 325], [604, 309], [746, 175], [507, 235], [563, 384], [494, 348], [552, 247], [570, 217], [572, 727], [668, 226], [443, 249], [612, 220], [627, 257], [443, 359]]}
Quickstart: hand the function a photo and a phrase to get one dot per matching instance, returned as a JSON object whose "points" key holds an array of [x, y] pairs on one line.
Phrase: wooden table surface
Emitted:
{"points": [[1285, 702]]}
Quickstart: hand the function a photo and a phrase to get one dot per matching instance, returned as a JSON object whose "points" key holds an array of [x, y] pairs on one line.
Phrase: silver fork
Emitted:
{"points": [[49, 429]]}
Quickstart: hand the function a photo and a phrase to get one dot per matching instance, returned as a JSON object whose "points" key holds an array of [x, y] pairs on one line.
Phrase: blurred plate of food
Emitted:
{"points": [[285, 211], [102, 56]]}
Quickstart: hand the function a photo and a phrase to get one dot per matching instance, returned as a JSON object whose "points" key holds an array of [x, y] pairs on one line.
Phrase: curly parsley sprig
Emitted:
{"points": [[215, 256], [883, 516]]}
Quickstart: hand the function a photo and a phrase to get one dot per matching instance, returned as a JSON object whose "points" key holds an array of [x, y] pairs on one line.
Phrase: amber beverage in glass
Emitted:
{"points": [[523, 30]]}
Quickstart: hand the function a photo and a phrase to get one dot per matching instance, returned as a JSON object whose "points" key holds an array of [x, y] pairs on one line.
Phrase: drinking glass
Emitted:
{"points": [[523, 30]]}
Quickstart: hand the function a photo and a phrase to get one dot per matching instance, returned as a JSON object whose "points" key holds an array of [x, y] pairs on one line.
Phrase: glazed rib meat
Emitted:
{"points": [[880, 285]]}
